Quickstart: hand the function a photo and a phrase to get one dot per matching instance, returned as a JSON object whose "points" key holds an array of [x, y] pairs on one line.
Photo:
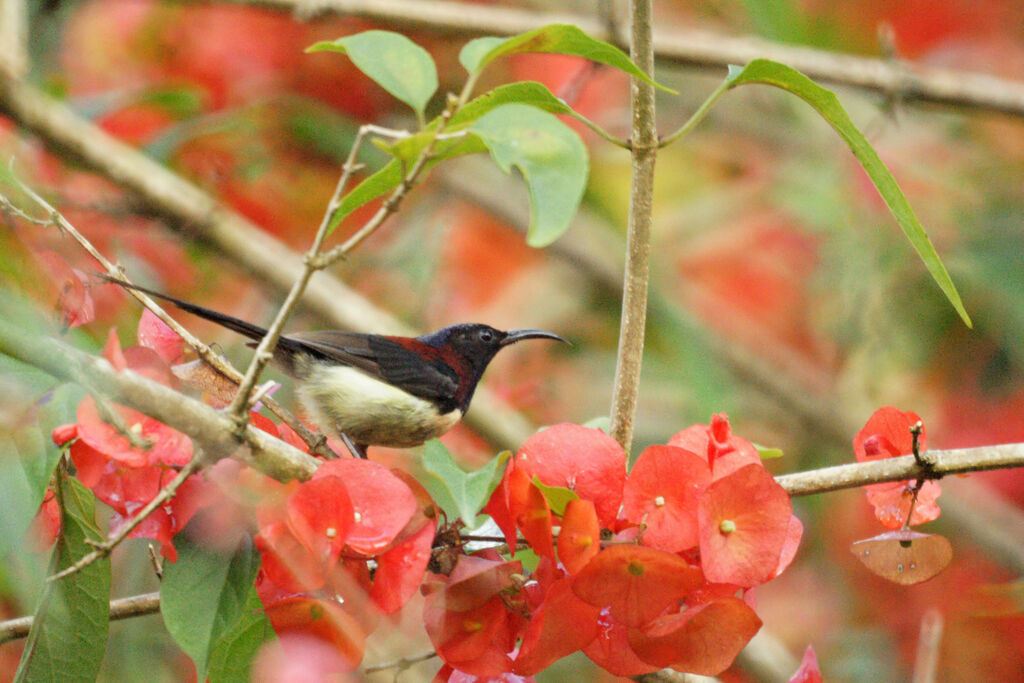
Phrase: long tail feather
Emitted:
{"points": [[232, 323]]}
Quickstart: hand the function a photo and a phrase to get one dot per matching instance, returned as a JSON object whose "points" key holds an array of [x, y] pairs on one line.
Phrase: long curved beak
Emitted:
{"points": [[513, 336]]}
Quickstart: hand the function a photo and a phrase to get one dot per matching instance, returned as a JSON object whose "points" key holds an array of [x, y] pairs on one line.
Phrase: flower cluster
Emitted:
{"points": [[126, 457], [650, 570], [887, 434], [319, 540]]}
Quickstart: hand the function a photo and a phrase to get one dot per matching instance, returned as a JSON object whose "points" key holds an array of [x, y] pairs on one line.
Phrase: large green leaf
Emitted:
{"points": [[27, 459], [827, 104], [394, 62], [559, 38], [204, 594], [408, 149], [460, 494], [551, 158], [69, 633], [231, 659]]}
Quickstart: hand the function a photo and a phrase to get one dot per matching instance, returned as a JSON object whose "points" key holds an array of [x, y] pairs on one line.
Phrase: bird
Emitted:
{"points": [[378, 390]]}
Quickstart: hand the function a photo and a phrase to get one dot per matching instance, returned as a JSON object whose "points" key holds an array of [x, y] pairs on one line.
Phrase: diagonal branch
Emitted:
{"points": [[213, 430]]}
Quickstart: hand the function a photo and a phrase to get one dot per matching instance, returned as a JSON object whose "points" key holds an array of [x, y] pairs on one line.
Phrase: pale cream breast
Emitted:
{"points": [[343, 399]]}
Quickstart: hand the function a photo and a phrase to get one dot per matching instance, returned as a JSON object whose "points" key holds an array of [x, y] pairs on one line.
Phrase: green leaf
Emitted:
{"points": [[827, 104], [768, 452], [460, 494], [557, 496], [231, 660], [474, 53], [204, 594], [380, 183], [390, 176], [27, 459], [394, 62], [524, 92], [559, 38], [69, 633], [551, 158]]}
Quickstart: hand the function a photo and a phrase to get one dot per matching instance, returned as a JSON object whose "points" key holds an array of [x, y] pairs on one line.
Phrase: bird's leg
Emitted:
{"points": [[358, 450]]}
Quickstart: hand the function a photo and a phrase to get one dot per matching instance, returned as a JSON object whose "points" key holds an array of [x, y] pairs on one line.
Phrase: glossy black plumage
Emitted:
{"points": [[408, 389]]}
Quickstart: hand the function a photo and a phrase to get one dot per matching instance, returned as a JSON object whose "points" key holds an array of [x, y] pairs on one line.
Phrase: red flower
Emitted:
{"points": [[723, 451], [581, 459], [467, 617], [703, 639], [580, 537], [662, 492], [324, 620], [153, 333], [887, 435], [635, 583], [562, 624], [744, 525], [382, 504]]}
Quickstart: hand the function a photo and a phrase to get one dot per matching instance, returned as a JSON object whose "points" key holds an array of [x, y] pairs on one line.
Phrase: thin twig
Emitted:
{"points": [[392, 203], [240, 405], [165, 494], [122, 608], [400, 664]]}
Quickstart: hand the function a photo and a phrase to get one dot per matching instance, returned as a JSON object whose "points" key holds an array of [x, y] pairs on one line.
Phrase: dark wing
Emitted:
{"points": [[385, 359]]}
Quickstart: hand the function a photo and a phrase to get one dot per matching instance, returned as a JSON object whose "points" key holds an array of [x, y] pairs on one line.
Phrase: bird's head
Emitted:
{"points": [[476, 344]]}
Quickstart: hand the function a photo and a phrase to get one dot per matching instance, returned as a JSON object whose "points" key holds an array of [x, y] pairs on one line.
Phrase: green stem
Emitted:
{"points": [[698, 115], [644, 150]]}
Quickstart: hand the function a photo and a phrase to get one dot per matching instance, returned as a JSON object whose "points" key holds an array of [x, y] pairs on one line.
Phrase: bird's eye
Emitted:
{"points": [[486, 336]]}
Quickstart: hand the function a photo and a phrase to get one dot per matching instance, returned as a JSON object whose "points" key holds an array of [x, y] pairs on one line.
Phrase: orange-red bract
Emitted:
{"points": [[286, 562], [531, 513], [581, 459], [744, 522], [610, 650], [323, 619], [382, 503], [886, 435], [892, 501], [580, 537], [636, 583], [562, 625], [724, 451], [476, 641], [704, 639], [662, 492], [74, 302], [400, 570], [476, 580], [321, 518], [154, 333]]}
